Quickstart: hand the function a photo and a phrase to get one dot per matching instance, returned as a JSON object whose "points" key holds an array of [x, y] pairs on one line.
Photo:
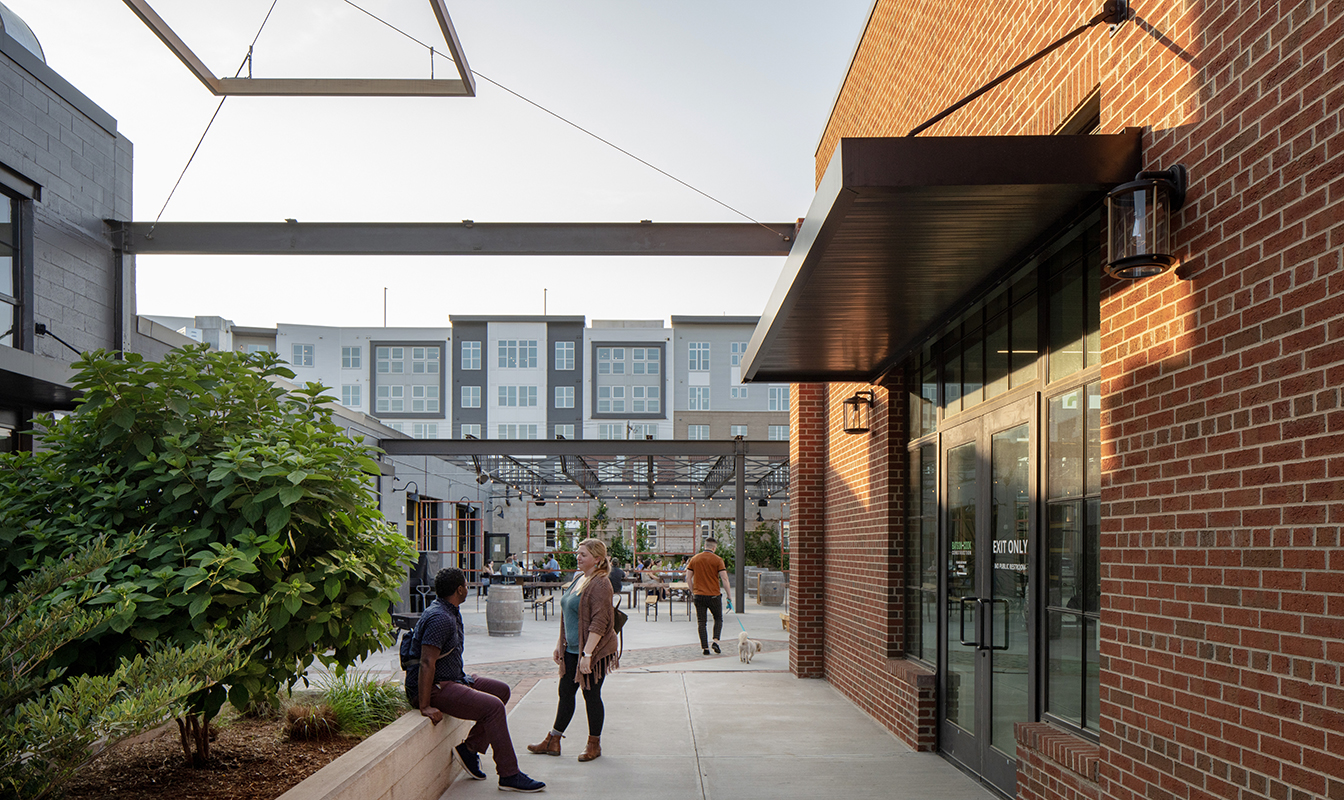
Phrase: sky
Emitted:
{"points": [[729, 96]]}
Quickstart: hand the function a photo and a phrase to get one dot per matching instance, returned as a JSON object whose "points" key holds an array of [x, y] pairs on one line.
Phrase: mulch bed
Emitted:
{"points": [[250, 760]]}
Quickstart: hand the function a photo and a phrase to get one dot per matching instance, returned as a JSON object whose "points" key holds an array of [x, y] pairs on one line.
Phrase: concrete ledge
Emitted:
{"points": [[411, 759]]}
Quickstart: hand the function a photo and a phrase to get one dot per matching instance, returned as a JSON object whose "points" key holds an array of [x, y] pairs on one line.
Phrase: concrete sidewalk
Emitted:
{"points": [[682, 725], [684, 732]]}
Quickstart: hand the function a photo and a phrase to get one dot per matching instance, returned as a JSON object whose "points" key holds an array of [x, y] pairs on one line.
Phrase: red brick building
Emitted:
{"points": [[1090, 545]]}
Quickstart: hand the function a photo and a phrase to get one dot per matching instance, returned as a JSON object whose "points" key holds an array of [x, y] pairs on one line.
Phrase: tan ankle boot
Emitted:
{"points": [[594, 749], [550, 746]]}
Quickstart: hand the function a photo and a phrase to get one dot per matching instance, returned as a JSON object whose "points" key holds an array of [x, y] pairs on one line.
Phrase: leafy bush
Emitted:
{"points": [[762, 546], [258, 502], [360, 703], [50, 728]]}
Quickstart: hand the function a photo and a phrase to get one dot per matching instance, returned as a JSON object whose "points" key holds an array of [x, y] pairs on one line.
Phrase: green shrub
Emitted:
{"points": [[360, 703], [259, 504]]}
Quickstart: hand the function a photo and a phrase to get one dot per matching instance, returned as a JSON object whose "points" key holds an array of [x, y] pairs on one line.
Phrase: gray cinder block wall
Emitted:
{"points": [[54, 136]]}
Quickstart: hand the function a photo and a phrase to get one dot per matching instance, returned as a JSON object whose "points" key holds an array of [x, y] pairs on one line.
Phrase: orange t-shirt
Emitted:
{"points": [[705, 567]]}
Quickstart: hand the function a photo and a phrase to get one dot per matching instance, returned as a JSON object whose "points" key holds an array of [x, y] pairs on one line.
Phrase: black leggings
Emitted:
{"points": [[592, 699]]}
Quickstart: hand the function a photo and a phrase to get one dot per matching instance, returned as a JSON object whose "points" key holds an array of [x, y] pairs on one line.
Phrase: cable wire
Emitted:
{"points": [[247, 62], [568, 122]]}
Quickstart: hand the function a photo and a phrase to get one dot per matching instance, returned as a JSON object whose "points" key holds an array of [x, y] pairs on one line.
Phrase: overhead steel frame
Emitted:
{"points": [[463, 86], [465, 238], [533, 467]]}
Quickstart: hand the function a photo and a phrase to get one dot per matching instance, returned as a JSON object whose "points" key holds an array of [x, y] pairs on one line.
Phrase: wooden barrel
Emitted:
{"points": [[770, 591], [504, 611], [753, 578]]}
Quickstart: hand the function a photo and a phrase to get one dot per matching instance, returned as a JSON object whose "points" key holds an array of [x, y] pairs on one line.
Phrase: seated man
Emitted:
{"points": [[510, 568], [437, 685], [552, 574]]}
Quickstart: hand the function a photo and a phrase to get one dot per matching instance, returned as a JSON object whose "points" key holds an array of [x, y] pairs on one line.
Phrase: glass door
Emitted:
{"points": [[988, 523]]}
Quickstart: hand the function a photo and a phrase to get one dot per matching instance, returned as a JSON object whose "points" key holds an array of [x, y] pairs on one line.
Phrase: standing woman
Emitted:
{"points": [[586, 650]]}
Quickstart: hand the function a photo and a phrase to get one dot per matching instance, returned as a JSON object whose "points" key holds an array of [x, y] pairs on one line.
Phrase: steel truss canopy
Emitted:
{"points": [[463, 238], [903, 231], [628, 470], [462, 86]]}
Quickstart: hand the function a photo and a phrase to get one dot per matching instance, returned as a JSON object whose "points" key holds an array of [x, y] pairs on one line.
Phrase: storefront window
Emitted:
{"points": [[921, 631], [1075, 305], [981, 504], [1073, 585], [9, 278]]}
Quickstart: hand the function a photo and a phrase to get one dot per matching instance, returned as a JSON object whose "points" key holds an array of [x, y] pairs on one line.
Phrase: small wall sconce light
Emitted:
{"points": [[1139, 229], [858, 412], [412, 495]]}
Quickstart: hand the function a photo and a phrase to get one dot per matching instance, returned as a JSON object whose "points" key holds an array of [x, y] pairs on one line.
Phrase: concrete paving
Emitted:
{"points": [[682, 725]]}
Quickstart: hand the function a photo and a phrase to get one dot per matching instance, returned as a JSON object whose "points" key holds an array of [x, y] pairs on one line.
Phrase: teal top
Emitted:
{"points": [[569, 616]]}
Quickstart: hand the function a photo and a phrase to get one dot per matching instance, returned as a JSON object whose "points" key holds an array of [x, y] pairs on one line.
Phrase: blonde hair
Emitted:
{"points": [[598, 550]]}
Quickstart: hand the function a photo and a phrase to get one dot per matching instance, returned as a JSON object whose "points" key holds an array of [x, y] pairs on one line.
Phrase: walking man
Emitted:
{"points": [[705, 572], [437, 685]]}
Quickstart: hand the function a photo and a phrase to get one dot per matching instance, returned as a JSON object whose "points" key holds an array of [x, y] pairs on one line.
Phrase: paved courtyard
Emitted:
{"points": [[682, 725]]}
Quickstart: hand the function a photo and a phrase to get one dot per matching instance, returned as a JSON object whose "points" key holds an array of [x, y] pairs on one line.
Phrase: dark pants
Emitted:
{"points": [[482, 703], [714, 603], [592, 699]]}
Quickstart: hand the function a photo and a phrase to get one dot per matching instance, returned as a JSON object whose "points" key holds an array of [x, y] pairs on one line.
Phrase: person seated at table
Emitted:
{"points": [[487, 574], [552, 573], [510, 568], [653, 582], [617, 576]]}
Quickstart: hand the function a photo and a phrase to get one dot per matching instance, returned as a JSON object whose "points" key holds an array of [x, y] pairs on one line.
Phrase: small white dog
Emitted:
{"points": [[746, 648]]}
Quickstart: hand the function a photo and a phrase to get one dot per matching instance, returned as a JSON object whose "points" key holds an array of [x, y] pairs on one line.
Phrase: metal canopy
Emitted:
{"points": [[32, 381], [458, 238], [901, 231], [631, 470]]}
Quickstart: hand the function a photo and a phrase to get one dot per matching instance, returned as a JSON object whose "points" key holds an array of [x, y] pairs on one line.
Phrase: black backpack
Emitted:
{"points": [[410, 643]]}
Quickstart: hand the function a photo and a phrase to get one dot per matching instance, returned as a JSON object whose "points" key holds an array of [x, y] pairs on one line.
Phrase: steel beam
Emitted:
{"points": [[457, 238], [463, 86], [465, 448]]}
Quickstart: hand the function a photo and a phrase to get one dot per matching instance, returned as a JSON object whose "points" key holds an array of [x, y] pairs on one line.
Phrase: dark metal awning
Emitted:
{"points": [[901, 231], [34, 382]]}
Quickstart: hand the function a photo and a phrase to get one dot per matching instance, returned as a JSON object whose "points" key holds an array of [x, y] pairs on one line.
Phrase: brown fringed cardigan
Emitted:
{"points": [[595, 616]]}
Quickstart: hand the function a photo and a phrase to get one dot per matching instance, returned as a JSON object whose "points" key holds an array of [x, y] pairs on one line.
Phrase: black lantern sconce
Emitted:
{"points": [[858, 411], [1139, 230]]}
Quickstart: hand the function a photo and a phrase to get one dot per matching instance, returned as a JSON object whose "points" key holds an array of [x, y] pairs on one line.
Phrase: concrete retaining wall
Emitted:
{"points": [[411, 759]]}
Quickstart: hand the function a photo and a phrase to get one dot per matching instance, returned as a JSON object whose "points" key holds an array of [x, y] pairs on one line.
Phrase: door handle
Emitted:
{"points": [[964, 601], [989, 623]]}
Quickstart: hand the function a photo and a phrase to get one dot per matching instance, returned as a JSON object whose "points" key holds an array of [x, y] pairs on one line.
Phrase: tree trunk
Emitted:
{"points": [[195, 739]]}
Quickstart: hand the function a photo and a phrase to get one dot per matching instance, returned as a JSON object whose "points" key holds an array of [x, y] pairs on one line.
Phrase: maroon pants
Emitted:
{"points": [[482, 703]]}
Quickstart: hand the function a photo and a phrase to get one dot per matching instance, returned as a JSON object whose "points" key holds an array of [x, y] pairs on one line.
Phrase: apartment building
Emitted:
{"points": [[710, 399], [529, 377]]}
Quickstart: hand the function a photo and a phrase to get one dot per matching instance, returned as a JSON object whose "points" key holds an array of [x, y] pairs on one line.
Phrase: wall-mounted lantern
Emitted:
{"points": [[1139, 230], [858, 412]]}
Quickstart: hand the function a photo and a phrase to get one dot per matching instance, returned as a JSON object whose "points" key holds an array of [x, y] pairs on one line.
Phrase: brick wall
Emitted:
{"points": [[847, 590], [1223, 423], [807, 473], [1223, 567]]}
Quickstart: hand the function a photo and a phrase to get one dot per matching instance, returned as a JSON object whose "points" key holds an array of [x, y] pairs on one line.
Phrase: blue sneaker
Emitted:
{"points": [[471, 761], [520, 783]]}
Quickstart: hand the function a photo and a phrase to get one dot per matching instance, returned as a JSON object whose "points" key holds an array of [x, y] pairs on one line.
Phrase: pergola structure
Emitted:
{"points": [[625, 470]]}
